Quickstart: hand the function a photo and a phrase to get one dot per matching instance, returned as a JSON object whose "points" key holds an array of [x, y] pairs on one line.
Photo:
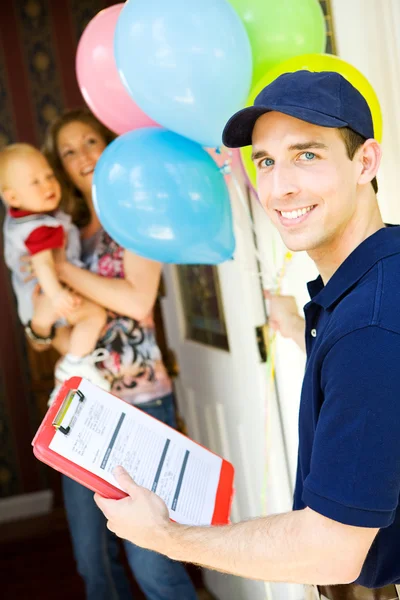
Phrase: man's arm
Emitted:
{"points": [[284, 317], [299, 547]]}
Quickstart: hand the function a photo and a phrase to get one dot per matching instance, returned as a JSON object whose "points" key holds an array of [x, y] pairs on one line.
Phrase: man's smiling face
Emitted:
{"points": [[306, 182]]}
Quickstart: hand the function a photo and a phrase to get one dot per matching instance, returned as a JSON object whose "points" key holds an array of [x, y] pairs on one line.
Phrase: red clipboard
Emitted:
{"points": [[51, 423]]}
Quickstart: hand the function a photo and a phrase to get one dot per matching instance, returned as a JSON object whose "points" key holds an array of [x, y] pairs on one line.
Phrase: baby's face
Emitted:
{"points": [[32, 184]]}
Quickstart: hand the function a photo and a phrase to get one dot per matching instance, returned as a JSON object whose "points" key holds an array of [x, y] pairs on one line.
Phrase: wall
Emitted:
{"points": [[37, 63], [367, 35]]}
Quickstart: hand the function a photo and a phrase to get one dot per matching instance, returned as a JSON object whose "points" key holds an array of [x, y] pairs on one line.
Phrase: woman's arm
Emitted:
{"points": [[133, 296]]}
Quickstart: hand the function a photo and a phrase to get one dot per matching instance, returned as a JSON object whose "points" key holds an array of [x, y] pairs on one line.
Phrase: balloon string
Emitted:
{"points": [[271, 370], [271, 377], [243, 202], [268, 279], [276, 287]]}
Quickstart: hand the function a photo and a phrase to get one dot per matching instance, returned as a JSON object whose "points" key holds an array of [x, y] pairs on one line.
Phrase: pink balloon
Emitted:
{"points": [[98, 77]]}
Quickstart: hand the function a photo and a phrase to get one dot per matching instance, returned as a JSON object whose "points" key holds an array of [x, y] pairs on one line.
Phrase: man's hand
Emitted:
{"points": [[142, 517], [284, 317], [283, 313]]}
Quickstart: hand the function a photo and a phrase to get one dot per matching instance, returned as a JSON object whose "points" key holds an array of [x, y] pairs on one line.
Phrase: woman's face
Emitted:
{"points": [[80, 146]]}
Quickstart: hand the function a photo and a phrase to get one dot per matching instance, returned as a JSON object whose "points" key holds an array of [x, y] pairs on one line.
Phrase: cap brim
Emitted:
{"points": [[238, 130]]}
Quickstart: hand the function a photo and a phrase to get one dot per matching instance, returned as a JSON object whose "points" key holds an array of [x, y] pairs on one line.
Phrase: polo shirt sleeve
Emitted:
{"points": [[45, 238], [355, 463]]}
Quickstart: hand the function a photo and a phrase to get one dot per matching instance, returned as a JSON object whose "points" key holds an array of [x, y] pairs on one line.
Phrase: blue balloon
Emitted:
{"points": [[162, 196], [186, 63]]}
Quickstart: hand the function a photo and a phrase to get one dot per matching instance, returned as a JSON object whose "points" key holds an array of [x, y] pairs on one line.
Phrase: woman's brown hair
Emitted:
{"points": [[73, 203]]}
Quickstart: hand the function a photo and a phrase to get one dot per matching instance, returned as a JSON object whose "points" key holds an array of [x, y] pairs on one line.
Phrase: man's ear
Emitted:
{"points": [[10, 197], [369, 156]]}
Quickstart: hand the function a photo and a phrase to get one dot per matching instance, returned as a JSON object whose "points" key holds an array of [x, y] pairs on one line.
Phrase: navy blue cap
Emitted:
{"points": [[322, 98]]}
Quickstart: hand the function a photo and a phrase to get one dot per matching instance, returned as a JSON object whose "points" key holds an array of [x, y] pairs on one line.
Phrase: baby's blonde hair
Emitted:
{"points": [[8, 154]]}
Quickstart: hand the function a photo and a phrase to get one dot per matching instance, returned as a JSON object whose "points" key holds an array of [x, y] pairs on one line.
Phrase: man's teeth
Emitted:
{"points": [[295, 214]]}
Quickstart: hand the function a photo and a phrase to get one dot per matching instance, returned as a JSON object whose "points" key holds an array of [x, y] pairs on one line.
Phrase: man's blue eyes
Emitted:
{"points": [[268, 162]]}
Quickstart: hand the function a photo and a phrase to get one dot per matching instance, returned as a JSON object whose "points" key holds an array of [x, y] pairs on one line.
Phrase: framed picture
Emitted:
{"points": [[202, 305]]}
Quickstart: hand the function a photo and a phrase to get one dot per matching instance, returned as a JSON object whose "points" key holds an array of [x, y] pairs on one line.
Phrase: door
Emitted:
{"points": [[224, 392]]}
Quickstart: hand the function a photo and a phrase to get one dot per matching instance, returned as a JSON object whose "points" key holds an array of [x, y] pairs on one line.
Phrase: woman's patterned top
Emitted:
{"points": [[134, 366]]}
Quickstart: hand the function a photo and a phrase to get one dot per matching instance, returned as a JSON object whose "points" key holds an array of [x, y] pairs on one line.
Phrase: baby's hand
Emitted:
{"points": [[65, 302]]}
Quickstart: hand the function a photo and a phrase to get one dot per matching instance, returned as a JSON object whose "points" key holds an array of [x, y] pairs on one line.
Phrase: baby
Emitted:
{"points": [[34, 225]]}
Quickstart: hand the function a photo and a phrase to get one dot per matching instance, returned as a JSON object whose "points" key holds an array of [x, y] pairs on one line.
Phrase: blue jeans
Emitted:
{"points": [[96, 548]]}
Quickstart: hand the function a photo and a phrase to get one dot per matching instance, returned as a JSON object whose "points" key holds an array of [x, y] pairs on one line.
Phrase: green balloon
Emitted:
{"points": [[281, 29]]}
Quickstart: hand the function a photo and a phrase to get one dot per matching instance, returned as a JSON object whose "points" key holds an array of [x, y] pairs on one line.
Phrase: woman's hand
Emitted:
{"points": [[26, 267], [65, 302]]}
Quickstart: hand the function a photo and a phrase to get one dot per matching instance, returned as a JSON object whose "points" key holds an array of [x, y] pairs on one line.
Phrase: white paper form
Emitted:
{"points": [[106, 432]]}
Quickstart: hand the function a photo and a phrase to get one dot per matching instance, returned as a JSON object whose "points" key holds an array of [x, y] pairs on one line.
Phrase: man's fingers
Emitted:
{"points": [[125, 480], [273, 324], [104, 504], [267, 294], [110, 527]]}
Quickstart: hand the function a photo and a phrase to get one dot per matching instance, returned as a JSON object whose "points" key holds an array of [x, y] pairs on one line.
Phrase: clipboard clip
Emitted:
{"points": [[63, 410]]}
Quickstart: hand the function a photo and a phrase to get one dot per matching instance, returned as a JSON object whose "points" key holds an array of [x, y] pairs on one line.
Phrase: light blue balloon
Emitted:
{"points": [[162, 196], [186, 63]]}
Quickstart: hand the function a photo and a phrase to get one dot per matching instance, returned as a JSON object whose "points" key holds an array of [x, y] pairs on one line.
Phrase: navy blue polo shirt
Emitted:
{"points": [[349, 422]]}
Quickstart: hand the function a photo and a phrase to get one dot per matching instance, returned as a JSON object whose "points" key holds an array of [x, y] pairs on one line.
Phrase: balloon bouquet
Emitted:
{"points": [[166, 76]]}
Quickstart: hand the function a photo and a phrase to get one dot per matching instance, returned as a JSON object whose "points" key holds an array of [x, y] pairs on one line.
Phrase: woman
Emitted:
{"points": [[126, 285]]}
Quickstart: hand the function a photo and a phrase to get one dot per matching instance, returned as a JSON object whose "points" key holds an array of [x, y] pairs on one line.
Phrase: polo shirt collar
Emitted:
{"points": [[384, 242]]}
